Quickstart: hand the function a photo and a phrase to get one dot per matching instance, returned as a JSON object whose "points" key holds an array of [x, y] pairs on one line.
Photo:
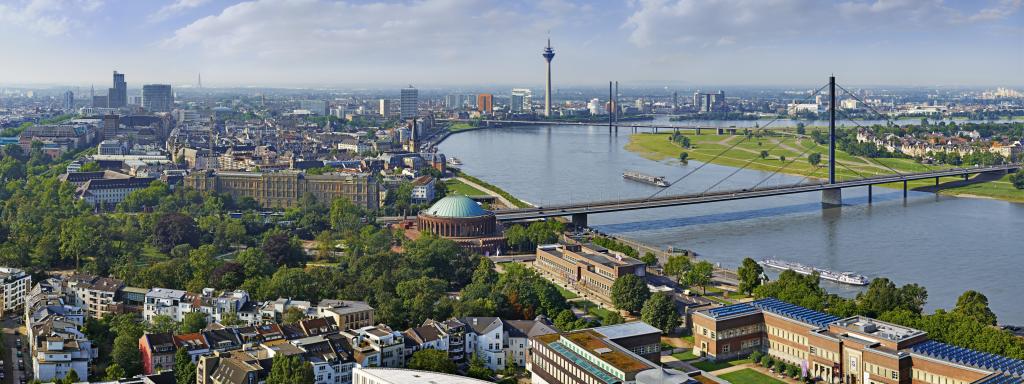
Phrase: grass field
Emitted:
{"points": [[714, 366], [460, 126], [591, 308], [685, 356], [567, 294], [457, 187], [706, 147], [749, 376]]}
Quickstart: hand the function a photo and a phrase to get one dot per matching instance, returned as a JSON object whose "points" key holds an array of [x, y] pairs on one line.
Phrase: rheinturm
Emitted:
{"points": [[549, 53]]}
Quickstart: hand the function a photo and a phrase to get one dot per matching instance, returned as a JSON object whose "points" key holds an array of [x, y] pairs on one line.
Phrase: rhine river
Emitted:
{"points": [[946, 244]]}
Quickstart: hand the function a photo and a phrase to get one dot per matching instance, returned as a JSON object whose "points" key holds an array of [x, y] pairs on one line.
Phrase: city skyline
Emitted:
{"points": [[303, 43]]}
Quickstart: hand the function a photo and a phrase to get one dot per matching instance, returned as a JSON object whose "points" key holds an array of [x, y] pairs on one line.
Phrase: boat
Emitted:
{"points": [[454, 161], [838, 277], [645, 178]]}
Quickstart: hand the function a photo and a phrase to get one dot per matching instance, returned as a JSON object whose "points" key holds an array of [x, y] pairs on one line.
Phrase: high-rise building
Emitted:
{"points": [[117, 96], [521, 100], [675, 102], [157, 97], [485, 103], [100, 102], [69, 100], [318, 107], [709, 102], [385, 107], [549, 54], [410, 100], [454, 101]]}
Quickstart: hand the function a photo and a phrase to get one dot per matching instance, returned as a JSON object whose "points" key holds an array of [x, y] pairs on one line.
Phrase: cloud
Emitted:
{"points": [[46, 16], [722, 22], [175, 8]]}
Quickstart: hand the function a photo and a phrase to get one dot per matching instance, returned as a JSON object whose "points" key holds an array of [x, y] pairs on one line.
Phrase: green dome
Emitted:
{"points": [[456, 206]]}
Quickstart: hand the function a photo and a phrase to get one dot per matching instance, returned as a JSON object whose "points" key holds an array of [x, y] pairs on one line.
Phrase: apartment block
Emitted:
{"points": [[15, 284]]}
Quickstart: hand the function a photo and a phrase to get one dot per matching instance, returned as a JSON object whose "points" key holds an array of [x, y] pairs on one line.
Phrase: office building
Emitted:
{"points": [[15, 284], [588, 268], [843, 350], [709, 102], [100, 102], [117, 97], [317, 107], [521, 100], [453, 102], [69, 100], [549, 54], [409, 103], [284, 189], [157, 97], [485, 103], [346, 314], [384, 108]]}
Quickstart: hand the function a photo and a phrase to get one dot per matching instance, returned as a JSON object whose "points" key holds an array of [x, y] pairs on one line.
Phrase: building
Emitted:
{"points": [[15, 284], [346, 314], [117, 97], [69, 100], [284, 189], [377, 346], [157, 352], [590, 269], [461, 219], [454, 102], [94, 294], [385, 108], [57, 348], [157, 97], [848, 350], [485, 103], [521, 100], [100, 102], [317, 107], [423, 189], [709, 102], [169, 302], [62, 137], [501, 343], [549, 54], [110, 192], [601, 355], [372, 375], [409, 103], [111, 147]]}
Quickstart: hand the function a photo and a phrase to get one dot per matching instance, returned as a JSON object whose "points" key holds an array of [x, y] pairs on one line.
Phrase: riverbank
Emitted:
{"points": [[706, 148]]}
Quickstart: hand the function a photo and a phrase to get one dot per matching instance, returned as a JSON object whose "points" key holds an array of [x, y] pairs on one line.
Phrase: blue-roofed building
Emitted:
{"points": [[462, 220], [844, 350]]}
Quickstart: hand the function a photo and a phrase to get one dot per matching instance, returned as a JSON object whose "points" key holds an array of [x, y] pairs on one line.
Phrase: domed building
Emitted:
{"points": [[461, 219]]}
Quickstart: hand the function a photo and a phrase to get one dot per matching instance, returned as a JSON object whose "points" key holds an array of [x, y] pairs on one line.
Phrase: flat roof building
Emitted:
{"points": [[588, 268]]}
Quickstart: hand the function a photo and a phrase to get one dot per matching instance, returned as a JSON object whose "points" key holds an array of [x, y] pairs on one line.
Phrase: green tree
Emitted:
{"points": [[612, 318], [749, 275], [114, 372], [800, 128], [700, 275], [71, 377], [477, 369], [432, 360], [764, 154], [649, 258], [660, 312], [1018, 179], [281, 249], [814, 159], [973, 304], [677, 266], [683, 156], [290, 370], [192, 322], [173, 229], [126, 352], [184, 368], [162, 324], [629, 293]]}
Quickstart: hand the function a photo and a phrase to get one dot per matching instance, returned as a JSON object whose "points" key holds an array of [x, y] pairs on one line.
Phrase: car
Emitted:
{"points": [[19, 353]]}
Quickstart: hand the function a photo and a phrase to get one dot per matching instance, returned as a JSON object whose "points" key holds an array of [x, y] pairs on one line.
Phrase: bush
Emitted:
{"points": [[767, 361], [756, 356], [779, 366], [792, 371]]}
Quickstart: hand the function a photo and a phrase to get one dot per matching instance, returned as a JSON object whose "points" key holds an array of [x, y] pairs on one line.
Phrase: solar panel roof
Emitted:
{"points": [[794, 312], [731, 310], [970, 357]]}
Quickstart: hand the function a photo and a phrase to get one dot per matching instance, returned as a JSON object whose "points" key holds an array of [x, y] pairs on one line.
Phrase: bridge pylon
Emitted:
{"points": [[831, 197], [579, 220]]}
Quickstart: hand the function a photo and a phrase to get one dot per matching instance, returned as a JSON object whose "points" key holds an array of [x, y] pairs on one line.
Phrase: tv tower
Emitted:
{"points": [[549, 53]]}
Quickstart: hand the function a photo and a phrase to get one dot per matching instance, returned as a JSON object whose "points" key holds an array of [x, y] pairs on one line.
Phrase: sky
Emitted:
{"points": [[325, 43]]}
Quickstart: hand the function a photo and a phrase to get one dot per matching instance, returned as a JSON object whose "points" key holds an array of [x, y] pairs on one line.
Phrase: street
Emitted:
{"points": [[13, 331]]}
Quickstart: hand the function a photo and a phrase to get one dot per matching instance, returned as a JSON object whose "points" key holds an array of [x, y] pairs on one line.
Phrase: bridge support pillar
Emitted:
{"points": [[870, 194], [936, 181], [904, 189], [579, 220], [831, 198]]}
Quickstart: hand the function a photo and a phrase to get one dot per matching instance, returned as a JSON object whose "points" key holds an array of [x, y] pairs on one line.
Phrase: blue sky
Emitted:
{"points": [[491, 42]]}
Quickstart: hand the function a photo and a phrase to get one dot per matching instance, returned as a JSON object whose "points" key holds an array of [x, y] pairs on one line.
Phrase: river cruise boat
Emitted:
{"points": [[454, 161], [837, 277], [645, 178]]}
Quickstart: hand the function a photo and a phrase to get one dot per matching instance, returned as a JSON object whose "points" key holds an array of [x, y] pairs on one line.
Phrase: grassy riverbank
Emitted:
{"points": [[508, 196], [705, 147]]}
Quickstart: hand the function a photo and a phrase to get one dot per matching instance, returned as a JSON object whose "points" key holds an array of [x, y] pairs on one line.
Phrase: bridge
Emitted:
{"points": [[626, 124], [579, 212]]}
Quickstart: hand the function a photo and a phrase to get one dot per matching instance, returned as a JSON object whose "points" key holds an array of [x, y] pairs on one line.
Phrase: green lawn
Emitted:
{"points": [[457, 187], [685, 356], [749, 376], [591, 308], [714, 366], [706, 147], [567, 294]]}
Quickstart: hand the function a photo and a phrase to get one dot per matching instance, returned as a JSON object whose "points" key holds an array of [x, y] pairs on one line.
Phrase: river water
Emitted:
{"points": [[946, 244]]}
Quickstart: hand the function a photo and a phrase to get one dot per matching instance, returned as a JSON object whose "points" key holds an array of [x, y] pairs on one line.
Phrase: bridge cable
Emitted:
{"points": [[783, 166], [751, 161], [745, 137], [868, 157]]}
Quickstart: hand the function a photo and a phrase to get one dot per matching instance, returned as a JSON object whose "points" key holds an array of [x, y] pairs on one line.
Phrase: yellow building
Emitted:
{"points": [[284, 189]]}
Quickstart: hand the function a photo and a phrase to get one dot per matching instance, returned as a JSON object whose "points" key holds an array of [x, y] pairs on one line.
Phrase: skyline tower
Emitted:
{"points": [[408, 103], [549, 53], [117, 96]]}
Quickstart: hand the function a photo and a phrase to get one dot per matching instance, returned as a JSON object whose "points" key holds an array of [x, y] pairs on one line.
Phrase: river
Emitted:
{"points": [[947, 244]]}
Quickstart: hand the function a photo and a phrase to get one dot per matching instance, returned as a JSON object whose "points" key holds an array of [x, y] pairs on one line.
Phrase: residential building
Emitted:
{"points": [[377, 346], [94, 294], [57, 348], [501, 343], [843, 350], [110, 192], [409, 103], [59, 138], [157, 97], [157, 351], [384, 108], [215, 305], [423, 190], [193, 343], [709, 102], [15, 284], [346, 314], [521, 100], [330, 356], [170, 302], [317, 107], [237, 367], [588, 268], [373, 375], [284, 189], [485, 103], [596, 355]]}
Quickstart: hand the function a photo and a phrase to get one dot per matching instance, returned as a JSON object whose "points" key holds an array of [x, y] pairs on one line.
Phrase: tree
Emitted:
{"points": [[612, 318], [814, 159], [254, 262], [800, 128], [174, 228], [700, 275], [973, 304], [184, 368], [192, 322], [764, 154], [281, 249], [477, 369], [677, 266], [114, 372], [162, 324], [782, 158], [126, 353], [750, 275], [432, 360], [649, 258], [71, 377], [660, 312], [1018, 179], [683, 156], [629, 293]]}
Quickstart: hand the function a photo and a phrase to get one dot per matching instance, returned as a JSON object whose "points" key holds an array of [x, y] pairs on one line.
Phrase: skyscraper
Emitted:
{"points": [[485, 103], [157, 97], [410, 99], [385, 107], [117, 96], [549, 54], [520, 100], [69, 100]]}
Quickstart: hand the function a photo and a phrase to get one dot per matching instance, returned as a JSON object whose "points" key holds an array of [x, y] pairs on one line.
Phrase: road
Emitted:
{"points": [[11, 332]]}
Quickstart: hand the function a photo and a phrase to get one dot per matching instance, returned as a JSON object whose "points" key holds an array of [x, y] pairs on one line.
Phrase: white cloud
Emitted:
{"points": [[175, 8], [46, 16]]}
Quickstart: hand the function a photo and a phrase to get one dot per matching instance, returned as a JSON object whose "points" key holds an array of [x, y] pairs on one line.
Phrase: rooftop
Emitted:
{"points": [[456, 206], [608, 352], [631, 329], [397, 375], [795, 312], [878, 329]]}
